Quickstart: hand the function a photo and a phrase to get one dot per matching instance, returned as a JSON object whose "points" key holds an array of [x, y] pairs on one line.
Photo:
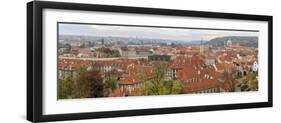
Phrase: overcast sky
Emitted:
{"points": [[147, 32]]}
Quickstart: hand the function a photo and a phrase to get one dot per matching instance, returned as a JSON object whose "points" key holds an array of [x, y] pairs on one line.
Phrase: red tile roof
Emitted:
{"points": [[134, 72]]}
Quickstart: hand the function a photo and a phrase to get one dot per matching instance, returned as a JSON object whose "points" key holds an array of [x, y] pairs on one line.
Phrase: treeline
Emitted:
{"points": [[248, 41]]}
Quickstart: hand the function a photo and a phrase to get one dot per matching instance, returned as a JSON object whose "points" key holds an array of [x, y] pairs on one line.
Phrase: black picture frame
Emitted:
{"points": [[35, 69]]}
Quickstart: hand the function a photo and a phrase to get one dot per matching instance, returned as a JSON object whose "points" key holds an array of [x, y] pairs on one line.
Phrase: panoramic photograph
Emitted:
{"points": [[108, 60]]}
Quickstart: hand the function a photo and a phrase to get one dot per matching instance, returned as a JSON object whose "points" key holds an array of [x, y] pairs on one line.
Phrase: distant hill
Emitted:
{"points": [[249, 41]]}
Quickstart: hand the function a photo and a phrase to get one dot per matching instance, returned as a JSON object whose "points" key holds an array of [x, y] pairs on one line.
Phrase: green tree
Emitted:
{"points": [[251, 81], [83, 68], [90, 84], [156, 86], [68, 46], [178, 87], [112, 83], [82, 46], [254, 85], [66, 88], [159, 85], [163, 88], [160, 69]]}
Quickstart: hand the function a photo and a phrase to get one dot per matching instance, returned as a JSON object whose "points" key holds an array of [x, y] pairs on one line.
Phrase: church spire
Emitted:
{"points": [[201, 47]]}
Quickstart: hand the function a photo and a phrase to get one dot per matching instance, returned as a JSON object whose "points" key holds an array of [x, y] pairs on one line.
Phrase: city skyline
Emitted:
{"points": [[120, 67], [148, 32]]}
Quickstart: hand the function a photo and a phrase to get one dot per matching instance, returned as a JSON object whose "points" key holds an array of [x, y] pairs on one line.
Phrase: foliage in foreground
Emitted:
{"points": [[89, 84], [159, 84]]}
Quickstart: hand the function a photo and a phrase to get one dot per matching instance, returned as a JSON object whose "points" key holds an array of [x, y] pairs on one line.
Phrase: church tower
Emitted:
{"points": [[201, 47]]}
